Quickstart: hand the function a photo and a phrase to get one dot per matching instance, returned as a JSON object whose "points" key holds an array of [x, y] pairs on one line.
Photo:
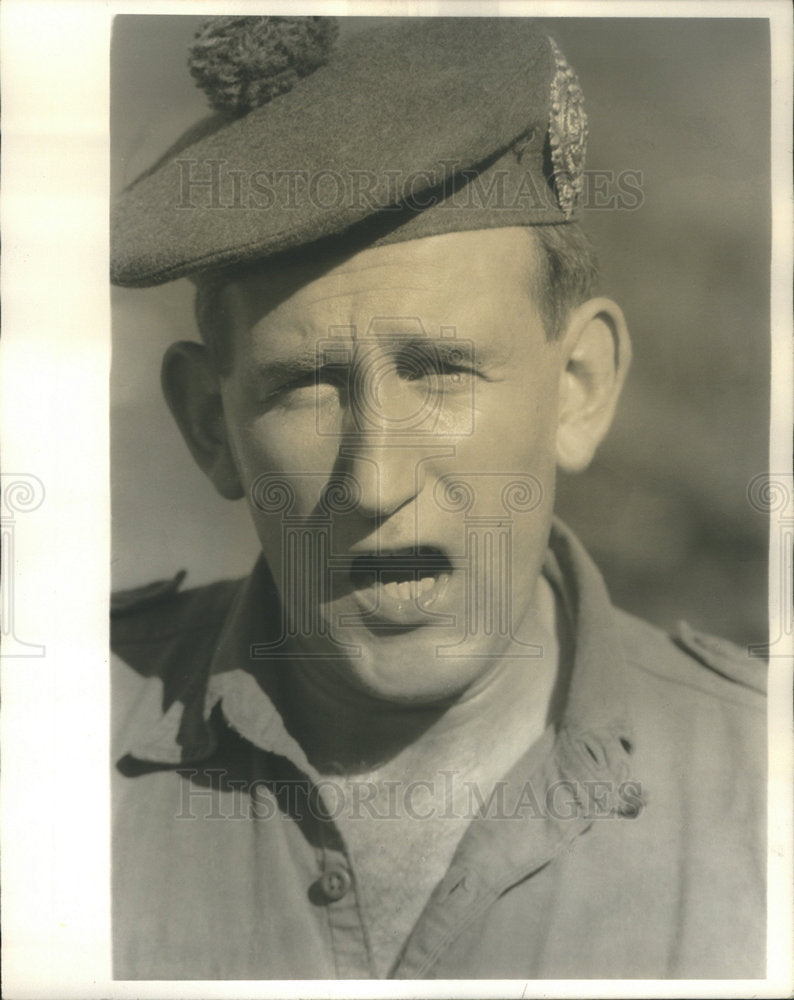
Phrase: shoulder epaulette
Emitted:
{"points": [[721, 656], [123, 602]]}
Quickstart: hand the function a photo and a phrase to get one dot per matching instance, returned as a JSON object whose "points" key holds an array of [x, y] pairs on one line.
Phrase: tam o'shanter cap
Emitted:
{"points": [[418, 127]]}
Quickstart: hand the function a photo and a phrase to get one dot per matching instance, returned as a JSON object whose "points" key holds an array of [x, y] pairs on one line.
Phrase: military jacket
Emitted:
{"points": [[628, 842]]}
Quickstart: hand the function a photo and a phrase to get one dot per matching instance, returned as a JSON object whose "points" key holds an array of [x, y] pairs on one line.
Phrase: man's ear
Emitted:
{"points": [[193, 393], [596, 355]]}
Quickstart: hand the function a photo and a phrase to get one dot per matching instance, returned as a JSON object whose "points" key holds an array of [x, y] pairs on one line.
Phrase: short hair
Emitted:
{"points": [[565, 275]]}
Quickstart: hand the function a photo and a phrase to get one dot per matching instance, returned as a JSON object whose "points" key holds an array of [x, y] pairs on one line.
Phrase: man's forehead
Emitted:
{"points": [[454, 273]]}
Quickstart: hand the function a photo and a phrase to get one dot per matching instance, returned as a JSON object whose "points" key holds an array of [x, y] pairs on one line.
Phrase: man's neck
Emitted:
{"points": [[347, 732]]}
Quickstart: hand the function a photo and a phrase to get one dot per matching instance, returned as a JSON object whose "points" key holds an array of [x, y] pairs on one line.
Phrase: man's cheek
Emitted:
{"points": [[293, 443]]}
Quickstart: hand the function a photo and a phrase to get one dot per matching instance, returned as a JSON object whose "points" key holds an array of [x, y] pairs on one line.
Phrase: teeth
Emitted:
{"points": [[409, 590], [393, 590]]}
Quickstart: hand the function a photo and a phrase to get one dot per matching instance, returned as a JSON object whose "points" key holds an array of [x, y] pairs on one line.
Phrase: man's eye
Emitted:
{"points": [[458, 375], [306, 389], [435, 370]]}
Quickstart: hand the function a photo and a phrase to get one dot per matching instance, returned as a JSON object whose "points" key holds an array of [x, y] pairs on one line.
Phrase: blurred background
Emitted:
{"points": [[663, 510]]}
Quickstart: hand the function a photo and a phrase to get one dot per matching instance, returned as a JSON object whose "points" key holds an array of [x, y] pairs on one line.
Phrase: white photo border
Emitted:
{"points": [[54, 409]]}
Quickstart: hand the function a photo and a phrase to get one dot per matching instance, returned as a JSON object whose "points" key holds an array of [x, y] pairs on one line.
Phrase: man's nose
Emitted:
{"points": [[382, 447], [386, 474]]}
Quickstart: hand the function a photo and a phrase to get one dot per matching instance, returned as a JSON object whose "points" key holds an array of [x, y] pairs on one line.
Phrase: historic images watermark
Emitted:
{"points": [[20, 493], [213, 184], [222, 796], [363, 363], [773, 496]]}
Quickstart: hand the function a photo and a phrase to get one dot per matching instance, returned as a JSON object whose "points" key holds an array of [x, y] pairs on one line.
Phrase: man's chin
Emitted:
{"points": [[409, 664], [404, 683]]}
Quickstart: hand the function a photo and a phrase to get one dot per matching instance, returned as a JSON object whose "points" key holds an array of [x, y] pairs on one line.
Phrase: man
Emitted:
{"points": [[417, 741]]}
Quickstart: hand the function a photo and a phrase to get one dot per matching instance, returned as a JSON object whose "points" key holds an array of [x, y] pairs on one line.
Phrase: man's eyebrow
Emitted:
{"points": [[281, 369]]}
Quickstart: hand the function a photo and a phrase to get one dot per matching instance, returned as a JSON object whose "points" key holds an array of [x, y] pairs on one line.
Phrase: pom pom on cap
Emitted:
{"points": [[244, 62]]}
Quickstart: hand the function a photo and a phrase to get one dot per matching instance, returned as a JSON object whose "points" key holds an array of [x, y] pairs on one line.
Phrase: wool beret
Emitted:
{"points": [[416, 127]]}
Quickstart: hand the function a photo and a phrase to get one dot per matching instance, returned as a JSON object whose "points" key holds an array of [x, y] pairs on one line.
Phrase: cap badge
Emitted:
{"points": [[567, 134]]}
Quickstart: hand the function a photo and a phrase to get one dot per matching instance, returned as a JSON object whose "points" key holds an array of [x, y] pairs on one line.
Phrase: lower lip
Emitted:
{"points": [[402, 603]]}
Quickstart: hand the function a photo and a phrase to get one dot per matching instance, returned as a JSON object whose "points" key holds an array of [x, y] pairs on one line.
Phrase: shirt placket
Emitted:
{"points": [[332, 886], [339, 892]]}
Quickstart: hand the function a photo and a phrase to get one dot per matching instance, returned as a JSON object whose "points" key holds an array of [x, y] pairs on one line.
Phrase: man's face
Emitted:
{"points": [[392, 420]]}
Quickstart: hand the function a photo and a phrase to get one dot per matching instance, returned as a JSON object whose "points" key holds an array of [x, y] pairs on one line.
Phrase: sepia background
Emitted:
{"points": [[664, 509]]}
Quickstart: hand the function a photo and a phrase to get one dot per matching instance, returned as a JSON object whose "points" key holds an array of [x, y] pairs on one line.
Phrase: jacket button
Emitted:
{"points": [[335, 883]]}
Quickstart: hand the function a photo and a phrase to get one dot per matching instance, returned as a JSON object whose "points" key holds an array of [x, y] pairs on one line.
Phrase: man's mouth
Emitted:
{"points": [[401, 585]]}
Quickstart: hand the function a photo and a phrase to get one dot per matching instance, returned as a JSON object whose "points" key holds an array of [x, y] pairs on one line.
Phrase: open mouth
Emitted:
{"points": [[401, 585]]}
